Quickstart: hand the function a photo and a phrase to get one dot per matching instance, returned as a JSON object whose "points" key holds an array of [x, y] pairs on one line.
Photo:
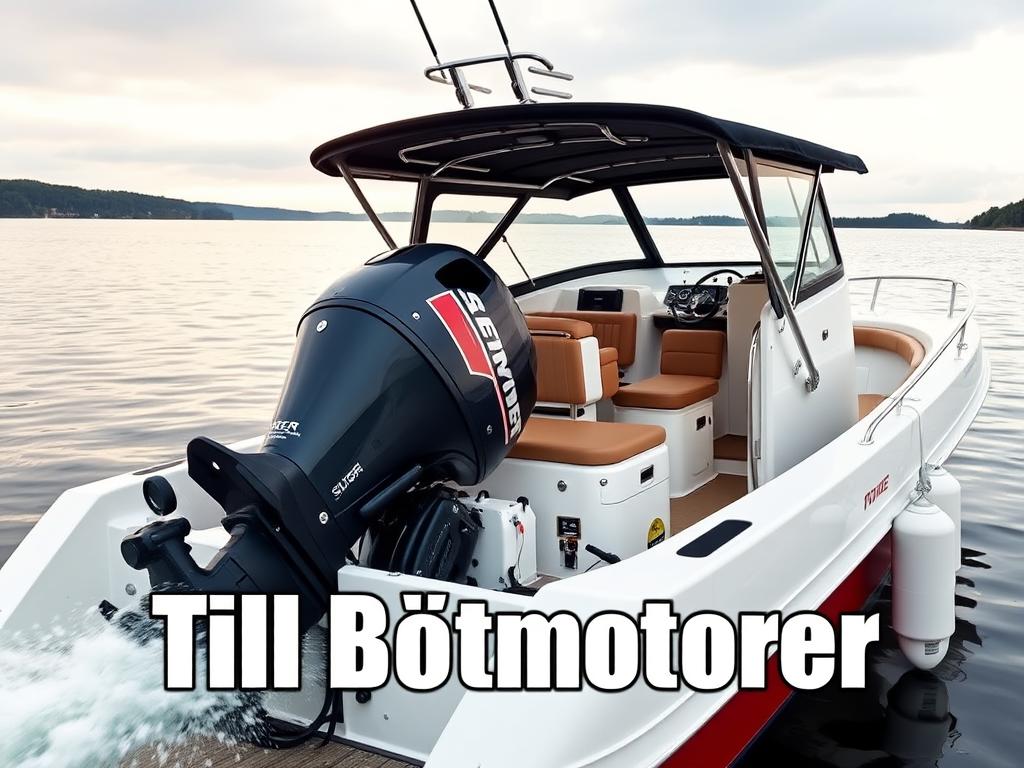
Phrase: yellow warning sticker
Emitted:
{"points": [[656, 533]]}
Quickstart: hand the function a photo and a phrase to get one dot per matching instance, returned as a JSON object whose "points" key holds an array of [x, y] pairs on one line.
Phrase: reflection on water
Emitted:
{"points": [[904, 717], [123, 340]]}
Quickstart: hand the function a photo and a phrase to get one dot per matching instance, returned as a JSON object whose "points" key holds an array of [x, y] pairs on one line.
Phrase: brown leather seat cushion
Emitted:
{"points": [[692, 352], [559, 326], [667, 391], [609, 371], [867, 403], [613, 329], [587, 443], [907, 347]]}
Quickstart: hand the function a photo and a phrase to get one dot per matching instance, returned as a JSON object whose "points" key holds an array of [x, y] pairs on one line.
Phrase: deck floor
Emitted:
{"points": [[211, 754], [731, 447], [706, 500]]}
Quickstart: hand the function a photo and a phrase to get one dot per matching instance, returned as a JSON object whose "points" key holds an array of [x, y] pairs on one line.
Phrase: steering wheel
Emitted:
{"points": [[700, 305]]}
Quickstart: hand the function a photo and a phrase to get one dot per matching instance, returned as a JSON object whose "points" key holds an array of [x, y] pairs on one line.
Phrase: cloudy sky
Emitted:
{"points": [[223, 99]]}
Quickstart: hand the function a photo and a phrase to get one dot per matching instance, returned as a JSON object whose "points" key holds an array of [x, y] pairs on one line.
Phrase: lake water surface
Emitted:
{"points": [[122, 340]]}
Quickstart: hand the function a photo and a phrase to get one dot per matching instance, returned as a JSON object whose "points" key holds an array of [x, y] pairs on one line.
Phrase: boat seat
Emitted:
{"points": [[907, 347], [616, 330], [573, 372], [680, 400], [585, 443], [691, 365], [667, 391]]}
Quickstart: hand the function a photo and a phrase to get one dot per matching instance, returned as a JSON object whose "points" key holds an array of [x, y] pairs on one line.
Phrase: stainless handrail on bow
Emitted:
{"points": [[895, 400]]}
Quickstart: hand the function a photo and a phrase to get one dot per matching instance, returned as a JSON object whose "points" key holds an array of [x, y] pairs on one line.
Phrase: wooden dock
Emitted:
{"points": [[214, 755]]}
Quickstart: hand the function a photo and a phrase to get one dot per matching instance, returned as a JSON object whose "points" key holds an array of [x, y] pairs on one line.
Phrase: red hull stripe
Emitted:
{"points": [[724, 737], [453, 317]]}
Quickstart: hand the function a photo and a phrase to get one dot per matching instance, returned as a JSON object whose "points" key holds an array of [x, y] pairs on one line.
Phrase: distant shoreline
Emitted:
{"points": [[839, 224], [29, 199]]}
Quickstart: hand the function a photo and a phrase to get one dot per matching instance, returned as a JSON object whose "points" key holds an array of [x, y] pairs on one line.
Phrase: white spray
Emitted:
{"points": [[89, 694]]}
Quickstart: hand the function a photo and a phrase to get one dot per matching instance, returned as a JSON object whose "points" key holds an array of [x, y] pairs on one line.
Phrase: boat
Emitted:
{"points": [[739, 436]]}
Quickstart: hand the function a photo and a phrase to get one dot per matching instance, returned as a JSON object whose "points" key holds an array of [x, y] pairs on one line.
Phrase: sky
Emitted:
{"points": [[222, 100]]}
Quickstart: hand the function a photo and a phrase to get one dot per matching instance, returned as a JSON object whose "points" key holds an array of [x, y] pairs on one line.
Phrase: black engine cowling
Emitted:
{"points": [[415, 369]]}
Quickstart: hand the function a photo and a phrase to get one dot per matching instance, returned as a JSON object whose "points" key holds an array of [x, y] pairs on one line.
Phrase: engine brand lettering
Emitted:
{"points": [[342, 485], [282, 430], [482, 350], [872, 496]]}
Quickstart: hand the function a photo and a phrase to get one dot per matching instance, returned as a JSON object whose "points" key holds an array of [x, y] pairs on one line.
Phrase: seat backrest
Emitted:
{"points": [[572, 369], [692, 352], [612, 329], [907, 347]]}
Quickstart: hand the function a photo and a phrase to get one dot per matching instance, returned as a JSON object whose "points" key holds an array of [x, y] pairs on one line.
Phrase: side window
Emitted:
{"points": [[821, 258], [784, 195]]}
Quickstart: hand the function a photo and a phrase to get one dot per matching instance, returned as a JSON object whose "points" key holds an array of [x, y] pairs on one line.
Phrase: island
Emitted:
{"points": [[1007, 217]]}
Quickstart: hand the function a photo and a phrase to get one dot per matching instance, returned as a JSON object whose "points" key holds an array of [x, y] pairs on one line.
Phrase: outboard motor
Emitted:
{"points": [[417, 369]]}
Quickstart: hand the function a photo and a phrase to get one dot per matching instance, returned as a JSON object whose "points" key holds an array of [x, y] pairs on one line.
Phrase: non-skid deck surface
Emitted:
{"points": [[731, 447], [214, 755], [706, 500]]}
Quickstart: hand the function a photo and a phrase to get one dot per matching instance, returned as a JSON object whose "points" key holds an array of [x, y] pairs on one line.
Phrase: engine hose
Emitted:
{"points": [[275, 738]]}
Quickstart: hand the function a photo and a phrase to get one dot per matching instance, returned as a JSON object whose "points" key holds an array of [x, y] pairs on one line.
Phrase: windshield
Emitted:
{"points": [[695, 221], [548, 235]]}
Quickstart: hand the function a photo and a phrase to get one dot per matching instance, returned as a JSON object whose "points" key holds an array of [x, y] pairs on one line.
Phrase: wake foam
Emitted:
{"points": [[89, 694]]}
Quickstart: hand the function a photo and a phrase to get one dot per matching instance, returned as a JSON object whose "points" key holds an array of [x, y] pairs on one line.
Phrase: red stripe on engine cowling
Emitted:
{"points": [[454, 318], [452, 315]]}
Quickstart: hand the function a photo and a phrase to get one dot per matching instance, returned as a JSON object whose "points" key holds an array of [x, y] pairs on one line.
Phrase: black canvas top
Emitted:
{"points": [[561, 150]]}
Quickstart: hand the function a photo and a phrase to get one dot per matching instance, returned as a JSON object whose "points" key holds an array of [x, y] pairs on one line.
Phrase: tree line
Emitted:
{"points": [[23, 198], [1007, 216]]}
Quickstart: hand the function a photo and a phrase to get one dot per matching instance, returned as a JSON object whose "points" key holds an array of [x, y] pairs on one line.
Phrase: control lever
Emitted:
{"points": [[608, 557]]}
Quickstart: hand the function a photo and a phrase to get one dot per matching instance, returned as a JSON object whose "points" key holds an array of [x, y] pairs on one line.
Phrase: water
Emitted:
{"points": [[122, 340], [86, 694]]}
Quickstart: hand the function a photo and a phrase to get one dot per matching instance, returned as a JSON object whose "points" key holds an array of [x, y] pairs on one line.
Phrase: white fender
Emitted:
{"points": [[945, 494], [923, 582]]}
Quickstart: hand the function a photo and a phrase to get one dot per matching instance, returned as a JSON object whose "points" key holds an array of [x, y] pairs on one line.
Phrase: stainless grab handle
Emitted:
{"points": [[751, 441]]}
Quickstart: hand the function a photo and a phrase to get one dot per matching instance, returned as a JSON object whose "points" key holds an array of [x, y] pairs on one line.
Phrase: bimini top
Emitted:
{"points": [[561, 150]]}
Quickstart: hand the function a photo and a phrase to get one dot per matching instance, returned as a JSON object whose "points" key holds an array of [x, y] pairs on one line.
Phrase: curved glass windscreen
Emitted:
{"points": [[785, 196]]}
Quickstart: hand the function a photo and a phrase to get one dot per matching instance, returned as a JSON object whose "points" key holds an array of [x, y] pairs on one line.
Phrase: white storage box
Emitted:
{"points": [[613, 507], [691, 442]]}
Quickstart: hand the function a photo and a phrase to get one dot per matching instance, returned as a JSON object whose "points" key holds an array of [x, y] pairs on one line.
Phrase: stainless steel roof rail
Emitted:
{"points": [[604, 133], [771, 273], [959, 330], [451, 72]]}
